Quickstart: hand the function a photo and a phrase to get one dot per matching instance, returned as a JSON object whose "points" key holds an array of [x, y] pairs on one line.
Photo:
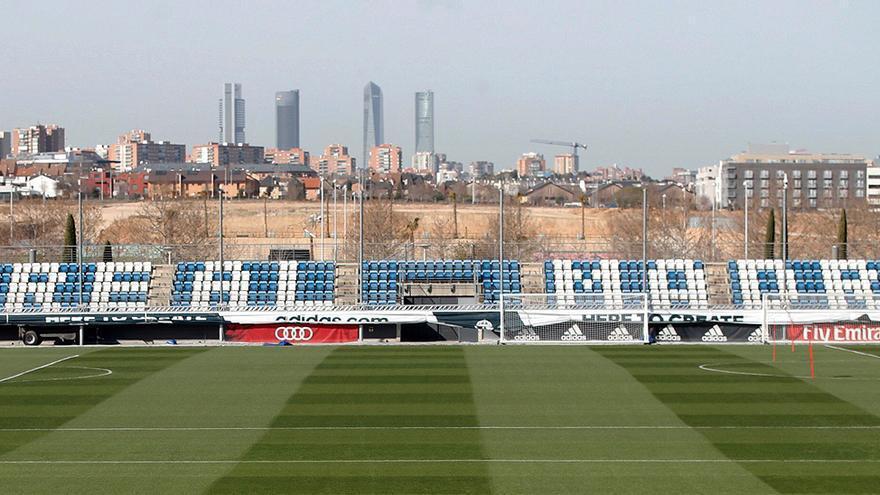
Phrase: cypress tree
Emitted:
{"points": [[841, 235], [770, 236], [108, 252], [69, 252]]}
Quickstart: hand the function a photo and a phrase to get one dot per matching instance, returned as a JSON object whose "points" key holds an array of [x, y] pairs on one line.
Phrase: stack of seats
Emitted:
{"points": [[122, 284], [751, 279], [381, 280], [576, 282], [677, 283], [836, 284], [254, 283], [59, 285]]}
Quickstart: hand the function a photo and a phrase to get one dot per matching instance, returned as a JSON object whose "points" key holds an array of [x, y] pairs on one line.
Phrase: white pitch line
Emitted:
{"points": [[709, 367], [448, 461], [706, 367], [37, 368], [123, 429], [103, 372], [860, 353]]}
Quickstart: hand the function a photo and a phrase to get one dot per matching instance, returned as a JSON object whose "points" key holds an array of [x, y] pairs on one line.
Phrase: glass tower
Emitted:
{"points": [[425, 122], [287, 119], [374, 122]]}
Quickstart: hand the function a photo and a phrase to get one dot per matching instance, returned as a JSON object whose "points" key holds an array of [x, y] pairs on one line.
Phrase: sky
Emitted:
{"points": [[650, 84]]}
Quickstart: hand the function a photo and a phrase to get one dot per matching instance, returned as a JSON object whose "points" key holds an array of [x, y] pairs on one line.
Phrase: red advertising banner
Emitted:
{"points": [[832, 332], [293, 333]]}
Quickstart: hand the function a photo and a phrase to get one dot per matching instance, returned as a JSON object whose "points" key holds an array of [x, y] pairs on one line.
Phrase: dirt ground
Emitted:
{"points": [[245, 218]]}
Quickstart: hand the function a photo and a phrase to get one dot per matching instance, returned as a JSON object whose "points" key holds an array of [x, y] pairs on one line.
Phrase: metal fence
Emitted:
{"points": [[531, 250]]}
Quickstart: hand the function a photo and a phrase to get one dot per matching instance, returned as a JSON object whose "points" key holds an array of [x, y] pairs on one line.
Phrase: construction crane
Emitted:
{"points": [[574, 146]]}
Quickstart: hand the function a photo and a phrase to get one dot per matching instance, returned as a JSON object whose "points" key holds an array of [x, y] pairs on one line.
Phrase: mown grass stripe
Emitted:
{"points": [[703, 400], [381, 398], [746, 397], [365, 388], [47, 405], [387, 379]]}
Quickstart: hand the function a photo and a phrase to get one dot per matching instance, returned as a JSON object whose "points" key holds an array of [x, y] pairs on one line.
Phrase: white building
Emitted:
{"points": [[872, 194], [447, 176], [425, 162], [41, 185], [38, 185], [707, 185]]}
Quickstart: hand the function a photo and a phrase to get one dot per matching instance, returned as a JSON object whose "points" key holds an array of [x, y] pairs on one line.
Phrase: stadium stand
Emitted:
{"points": [[383, 279], [805, 283], [58, 285], [254, 283], [673, 283]]}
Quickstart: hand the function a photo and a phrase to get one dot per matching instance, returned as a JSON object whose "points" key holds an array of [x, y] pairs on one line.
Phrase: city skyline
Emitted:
{"points": [[654, 86]]}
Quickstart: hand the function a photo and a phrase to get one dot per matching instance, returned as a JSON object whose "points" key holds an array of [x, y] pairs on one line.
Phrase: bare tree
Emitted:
{"points": [[177, 223]]}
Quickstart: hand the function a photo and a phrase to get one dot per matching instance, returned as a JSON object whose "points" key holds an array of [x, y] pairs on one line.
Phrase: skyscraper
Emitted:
{"points": [[374, 122], [233, 114], [287, 119], [425, 121], [5, 143]]}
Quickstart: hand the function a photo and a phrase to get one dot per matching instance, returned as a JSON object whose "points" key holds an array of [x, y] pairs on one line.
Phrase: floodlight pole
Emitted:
{"points": [[323, 231], [11, 213], [645, 242], [501, 260], [79, 253], [345, 218], [784, 217], [335, 224], [714, 203], [361, 234], [220, 239], [746, 228]]}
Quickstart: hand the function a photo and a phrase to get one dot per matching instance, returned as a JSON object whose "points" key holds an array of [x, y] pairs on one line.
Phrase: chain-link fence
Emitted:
{"points": [[531, 250]]}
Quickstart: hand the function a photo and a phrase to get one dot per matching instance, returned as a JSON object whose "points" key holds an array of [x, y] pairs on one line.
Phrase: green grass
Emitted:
{"points": [[440, 419]]}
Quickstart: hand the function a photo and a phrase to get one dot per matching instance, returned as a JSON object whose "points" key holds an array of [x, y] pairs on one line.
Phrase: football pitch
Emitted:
{"points": [[440, 419]]}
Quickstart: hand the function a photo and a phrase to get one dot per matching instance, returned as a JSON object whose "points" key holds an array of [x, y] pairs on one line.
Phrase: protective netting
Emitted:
{"points": [[539, 318]]}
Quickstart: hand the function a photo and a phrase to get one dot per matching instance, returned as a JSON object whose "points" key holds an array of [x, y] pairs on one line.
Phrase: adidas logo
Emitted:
{"points": [[527, 335], [756, 336], [714, 334], [574, 333], [620, 333], [668, 334]]}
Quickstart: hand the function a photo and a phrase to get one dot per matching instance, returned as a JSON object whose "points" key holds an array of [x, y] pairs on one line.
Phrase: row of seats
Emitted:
{"points": [[833, 283], [62, 285], [256, 266], [382, 280], [253, 283], [110, 266], [669, 282]]}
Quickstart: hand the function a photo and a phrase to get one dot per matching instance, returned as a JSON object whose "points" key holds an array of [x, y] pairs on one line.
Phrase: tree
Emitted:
{"points": [[108, 252], [411, 228], [770, 236], [69, 253], [176, 223], [841, 236], [583, 215], [454, 198]]}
